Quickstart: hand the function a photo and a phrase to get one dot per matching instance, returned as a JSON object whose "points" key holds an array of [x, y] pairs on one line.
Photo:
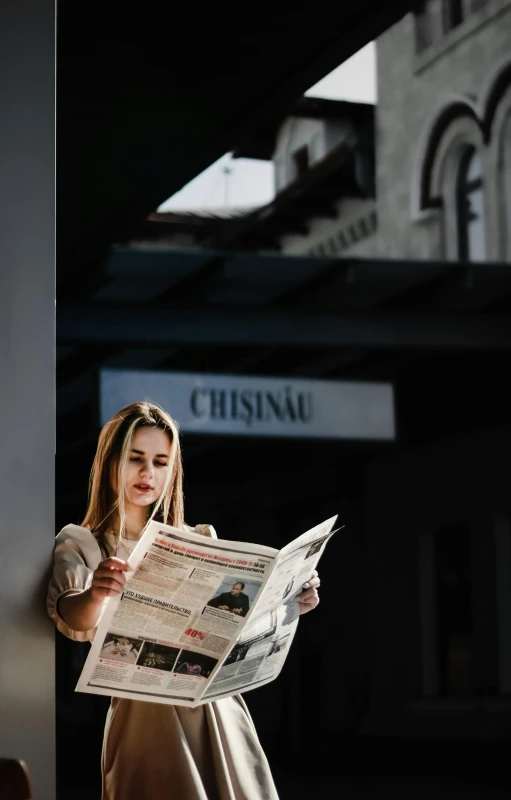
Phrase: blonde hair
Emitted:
{"points": [[109, 469]]}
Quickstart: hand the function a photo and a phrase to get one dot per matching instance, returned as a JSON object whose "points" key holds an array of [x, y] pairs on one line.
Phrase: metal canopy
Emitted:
{"points": [[378, 330], [181, 297]]}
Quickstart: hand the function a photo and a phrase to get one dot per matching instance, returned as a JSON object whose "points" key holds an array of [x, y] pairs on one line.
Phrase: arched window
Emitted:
{"points": [[301, 161], [423, 26], [452, 14], [470, 207]]}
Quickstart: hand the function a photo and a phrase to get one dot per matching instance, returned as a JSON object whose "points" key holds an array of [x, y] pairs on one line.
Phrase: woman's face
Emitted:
{"points": [[147, 466]]}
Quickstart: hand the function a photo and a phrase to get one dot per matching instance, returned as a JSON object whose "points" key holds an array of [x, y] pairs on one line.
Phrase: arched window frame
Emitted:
{"points": [[452, 14], [500, 159], [423, 20], [458, 121], [461, 139], [466, 189], [505, 183]]}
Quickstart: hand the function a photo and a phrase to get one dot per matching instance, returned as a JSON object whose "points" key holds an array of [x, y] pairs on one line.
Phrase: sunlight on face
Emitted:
{"points": [[147, 466]]}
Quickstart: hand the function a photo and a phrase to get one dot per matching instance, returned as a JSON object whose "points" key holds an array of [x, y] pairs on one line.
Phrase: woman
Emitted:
{"points": [[150, 751]]}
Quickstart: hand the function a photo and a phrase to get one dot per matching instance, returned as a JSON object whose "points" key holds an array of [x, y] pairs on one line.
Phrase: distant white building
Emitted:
{"points": [[323, 154]]}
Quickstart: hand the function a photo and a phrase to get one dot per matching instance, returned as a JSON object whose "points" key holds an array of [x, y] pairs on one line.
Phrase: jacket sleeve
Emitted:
{"points": [[71, 575], [219, 600], [246, 606]]}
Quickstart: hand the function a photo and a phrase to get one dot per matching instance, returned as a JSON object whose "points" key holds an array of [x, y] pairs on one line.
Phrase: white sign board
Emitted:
{"points": [[254, 406]]}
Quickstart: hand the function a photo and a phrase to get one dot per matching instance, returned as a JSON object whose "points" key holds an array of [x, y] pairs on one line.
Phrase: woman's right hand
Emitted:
{"points": [[108, 579]]}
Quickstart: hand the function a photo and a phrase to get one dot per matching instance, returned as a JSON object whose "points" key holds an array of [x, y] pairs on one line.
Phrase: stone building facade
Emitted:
{"points": [[442, 143], [444, 119]]}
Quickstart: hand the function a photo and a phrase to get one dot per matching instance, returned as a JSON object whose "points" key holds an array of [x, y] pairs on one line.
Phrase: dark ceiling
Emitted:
{"points": [[148, 96]]}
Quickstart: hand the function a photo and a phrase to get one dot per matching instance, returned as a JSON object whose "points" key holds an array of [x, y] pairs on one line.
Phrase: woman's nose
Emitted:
{"points": [[147, 469]]}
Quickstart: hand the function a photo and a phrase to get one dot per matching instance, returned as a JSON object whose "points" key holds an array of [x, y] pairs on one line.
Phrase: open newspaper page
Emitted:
{"points": [[263, 645], [182, 609]]}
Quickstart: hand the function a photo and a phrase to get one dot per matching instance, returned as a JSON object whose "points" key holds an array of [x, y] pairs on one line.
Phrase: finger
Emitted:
{"points": [[101, 593], [206, 530], [110, 580], [305, 596], [305, 608], [109, 570], [313, 583], [309, 604], [104, 572], [309, 601], [107, 583], [312, 580], [115, 563]]}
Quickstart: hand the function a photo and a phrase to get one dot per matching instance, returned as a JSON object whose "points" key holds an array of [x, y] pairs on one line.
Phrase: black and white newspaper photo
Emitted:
{"points": [[200, 618]]}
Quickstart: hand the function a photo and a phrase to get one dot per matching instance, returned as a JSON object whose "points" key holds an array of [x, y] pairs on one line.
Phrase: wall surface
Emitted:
{"points": [[27, 307]]}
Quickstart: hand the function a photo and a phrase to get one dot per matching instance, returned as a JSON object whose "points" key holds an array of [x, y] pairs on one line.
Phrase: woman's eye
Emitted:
{"points": [[134, 458], [160, 463]]}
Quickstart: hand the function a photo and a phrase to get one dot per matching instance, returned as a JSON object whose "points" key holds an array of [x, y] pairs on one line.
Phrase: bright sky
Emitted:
{"points": [[249, 182]]}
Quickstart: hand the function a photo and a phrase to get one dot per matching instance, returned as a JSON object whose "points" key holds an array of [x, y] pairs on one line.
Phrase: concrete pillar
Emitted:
{"points": [[27, 408]]}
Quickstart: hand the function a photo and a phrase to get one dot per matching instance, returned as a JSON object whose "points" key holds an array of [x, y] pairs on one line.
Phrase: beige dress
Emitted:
{"points": [[159, 752]]}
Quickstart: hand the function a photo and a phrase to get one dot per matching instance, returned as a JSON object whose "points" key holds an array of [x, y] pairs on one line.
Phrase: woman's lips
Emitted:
{"points": [[143, 487]]}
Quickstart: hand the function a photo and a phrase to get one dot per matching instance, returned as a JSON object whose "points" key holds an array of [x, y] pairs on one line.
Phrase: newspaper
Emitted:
{"points": [[200, 619]]}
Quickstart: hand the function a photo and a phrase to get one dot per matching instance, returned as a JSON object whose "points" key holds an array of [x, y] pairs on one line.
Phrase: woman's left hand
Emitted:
{"points": [[309, 597], [206, 530]]}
